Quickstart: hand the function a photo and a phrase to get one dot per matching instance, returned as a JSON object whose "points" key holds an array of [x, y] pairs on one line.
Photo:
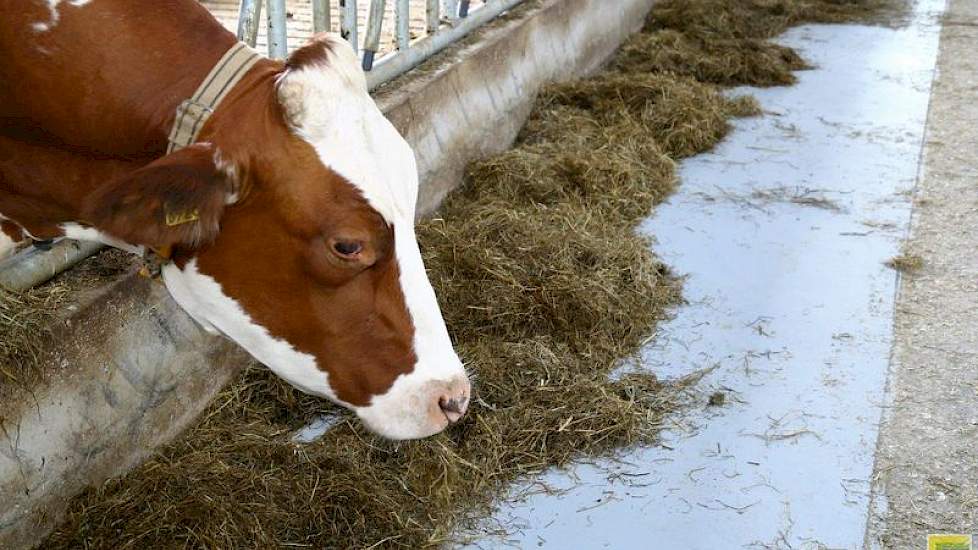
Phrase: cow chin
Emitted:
{"points": [[415, 405]]}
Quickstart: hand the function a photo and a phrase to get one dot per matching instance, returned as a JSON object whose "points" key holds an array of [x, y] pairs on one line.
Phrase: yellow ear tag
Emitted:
{"points": [[180, 218]]}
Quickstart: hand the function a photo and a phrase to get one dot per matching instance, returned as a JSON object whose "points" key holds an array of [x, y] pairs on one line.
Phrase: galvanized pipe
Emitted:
{"points": [[249, 18], [34, 266], [278, 46], [320, 16], [450, 8], [371, 42], [348, 22], [432, 16], [402, 18], [390, 67]]}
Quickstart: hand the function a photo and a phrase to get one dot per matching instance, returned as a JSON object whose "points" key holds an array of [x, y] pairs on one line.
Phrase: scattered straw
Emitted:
{"points": [[27, 318], [546, 288], [905, 263], [717, 399]]}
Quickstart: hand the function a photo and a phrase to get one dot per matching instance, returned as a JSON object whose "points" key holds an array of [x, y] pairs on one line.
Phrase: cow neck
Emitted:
{"points": [[193, 112]]}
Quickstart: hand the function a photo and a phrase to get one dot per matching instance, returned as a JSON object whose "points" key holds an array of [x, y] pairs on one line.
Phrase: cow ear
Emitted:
{"points": [[175, 200]]}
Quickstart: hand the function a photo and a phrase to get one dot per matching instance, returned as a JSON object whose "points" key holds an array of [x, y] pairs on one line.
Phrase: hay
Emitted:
{"points": [[753, 19], [22, 318], [905, 263], [725, 41], [546, 288], [730, 61], [27, 319]]}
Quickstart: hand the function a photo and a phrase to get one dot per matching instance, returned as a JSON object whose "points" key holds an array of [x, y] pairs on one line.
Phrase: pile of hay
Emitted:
{"points": [[726, 41], [545, 287], [905, 263], [22, 318], [27, 319]]}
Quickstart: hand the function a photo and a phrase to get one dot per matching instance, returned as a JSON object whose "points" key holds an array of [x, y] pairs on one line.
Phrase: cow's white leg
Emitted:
{"points": [[7, 244]]}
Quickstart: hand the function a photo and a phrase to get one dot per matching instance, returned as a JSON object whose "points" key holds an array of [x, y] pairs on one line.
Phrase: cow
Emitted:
{"points": [[289, 220]]}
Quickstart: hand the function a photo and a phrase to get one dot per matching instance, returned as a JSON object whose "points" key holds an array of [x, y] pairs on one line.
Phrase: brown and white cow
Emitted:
{"points": [[303, 248]]}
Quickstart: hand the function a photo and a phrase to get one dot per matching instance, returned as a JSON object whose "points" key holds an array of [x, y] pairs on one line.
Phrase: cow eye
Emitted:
{"points": [[348, 249]]}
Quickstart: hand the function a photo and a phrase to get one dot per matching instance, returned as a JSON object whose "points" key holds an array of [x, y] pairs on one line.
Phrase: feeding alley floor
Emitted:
{"points": [[782, 231]]}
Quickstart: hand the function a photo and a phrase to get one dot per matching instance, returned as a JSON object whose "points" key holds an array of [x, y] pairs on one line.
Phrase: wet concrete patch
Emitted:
{"points": [[783, 232]]}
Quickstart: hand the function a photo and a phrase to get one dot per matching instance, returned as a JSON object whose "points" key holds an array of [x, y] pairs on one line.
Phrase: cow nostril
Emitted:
{"points": [[449, 405], [453, 408]]}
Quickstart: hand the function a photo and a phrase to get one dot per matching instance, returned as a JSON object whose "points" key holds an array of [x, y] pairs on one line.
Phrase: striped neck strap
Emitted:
{"points": [[193, 113]]}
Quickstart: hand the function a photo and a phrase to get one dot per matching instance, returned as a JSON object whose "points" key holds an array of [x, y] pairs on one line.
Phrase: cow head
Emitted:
{"points": [[292, 227]]}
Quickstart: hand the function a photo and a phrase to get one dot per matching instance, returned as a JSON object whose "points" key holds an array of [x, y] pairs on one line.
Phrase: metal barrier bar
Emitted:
{"points": [[348, 23], [371, 42], [320, 16], [248, 21], [451, 10], [389, 67], [433, 17], [402, 16], [278, 46], [33, 266]]}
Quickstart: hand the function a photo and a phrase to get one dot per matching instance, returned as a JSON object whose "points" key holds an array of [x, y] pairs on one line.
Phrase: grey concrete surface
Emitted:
{"points": [[927, 463], [782, 231], [134, 370], [131, 371]]}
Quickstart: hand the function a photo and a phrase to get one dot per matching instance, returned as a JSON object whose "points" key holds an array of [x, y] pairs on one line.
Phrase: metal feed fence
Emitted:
{"points": [[391, 37], [413, 38]]}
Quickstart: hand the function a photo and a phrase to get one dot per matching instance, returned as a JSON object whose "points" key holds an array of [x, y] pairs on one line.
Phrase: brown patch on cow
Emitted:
{"points": [[37, 217], [13, 231], [43, 186], [106, 80], [177, 199], [316, 52]]}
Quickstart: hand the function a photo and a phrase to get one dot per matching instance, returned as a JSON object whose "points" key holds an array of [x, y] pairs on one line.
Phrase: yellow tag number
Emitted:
{"points": [[180, 218]]}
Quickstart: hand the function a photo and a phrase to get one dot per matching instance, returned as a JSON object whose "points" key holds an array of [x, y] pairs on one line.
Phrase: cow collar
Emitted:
{"points": [[193, 113]]}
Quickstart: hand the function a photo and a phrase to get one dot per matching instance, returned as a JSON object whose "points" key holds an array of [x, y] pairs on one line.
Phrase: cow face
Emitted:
{"points": [[303, 250]]}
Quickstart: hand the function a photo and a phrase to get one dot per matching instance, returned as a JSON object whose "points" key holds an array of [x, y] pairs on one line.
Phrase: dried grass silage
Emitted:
{"points": [[28, 318]]}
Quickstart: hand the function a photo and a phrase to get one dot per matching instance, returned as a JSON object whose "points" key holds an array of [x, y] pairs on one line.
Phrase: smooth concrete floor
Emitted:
{"points": [[782, 231]]}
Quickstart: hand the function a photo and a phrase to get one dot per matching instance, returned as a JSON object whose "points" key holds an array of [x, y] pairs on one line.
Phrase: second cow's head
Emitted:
{"points": [[292, 225]]}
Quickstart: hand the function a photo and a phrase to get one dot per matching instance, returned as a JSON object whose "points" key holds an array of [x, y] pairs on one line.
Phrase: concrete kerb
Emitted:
{"points": [[133, 370]]}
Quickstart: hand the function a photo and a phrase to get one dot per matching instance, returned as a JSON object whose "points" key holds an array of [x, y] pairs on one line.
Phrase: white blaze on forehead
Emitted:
{"points": [[328, 105], [332, 110], [52, 6], [203, 299]]}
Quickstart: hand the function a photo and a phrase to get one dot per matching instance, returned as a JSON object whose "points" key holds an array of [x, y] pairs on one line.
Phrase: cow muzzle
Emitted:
{"points": [[414, 408]]}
